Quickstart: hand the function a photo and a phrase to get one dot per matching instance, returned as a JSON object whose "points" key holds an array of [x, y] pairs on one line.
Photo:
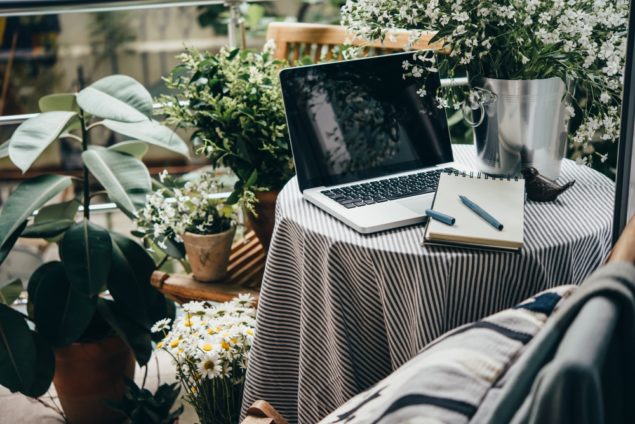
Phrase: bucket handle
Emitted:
{"points": [[478, 98]]}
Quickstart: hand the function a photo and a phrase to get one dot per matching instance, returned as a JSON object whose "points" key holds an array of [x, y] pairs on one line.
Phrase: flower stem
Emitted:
{"points": [[86, 175]]}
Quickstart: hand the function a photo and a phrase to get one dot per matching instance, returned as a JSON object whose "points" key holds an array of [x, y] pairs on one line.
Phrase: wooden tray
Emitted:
{"points": [[244, 275]]}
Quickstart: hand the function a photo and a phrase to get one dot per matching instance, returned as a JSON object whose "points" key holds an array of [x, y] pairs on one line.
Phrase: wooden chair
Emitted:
{"points": [[295, 40]]}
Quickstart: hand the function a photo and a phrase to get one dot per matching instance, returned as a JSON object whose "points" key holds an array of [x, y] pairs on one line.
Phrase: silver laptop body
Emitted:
{"points": [[368, 146]]}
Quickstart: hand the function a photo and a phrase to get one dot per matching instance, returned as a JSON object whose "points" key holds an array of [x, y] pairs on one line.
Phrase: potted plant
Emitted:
{"points": [[210, 347], [233, 102], [195, 214], [141, 406], [92, 310], [550, 60]]}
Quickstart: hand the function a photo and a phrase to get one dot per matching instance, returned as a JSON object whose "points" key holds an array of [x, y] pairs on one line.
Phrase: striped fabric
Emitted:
{"points": [[447, 381], [339, 310]]}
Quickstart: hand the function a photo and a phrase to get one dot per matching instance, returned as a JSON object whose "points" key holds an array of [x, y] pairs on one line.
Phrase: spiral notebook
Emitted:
{"points": [[503, 198]]}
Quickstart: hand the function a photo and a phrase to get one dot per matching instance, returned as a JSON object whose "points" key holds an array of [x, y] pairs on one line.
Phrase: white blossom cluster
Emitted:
{"points": [[581, 41], [210, 345], [194, 207]]}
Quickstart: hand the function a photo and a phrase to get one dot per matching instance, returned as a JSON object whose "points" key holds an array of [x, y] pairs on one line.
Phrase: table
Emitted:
{"points": [[339, 310]]}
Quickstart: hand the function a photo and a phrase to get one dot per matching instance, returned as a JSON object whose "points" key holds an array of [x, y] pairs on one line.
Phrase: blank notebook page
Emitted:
{"points": [[502, 198]]}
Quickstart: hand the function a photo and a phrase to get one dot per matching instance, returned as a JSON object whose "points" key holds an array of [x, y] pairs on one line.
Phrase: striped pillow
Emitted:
{"points": [[446, 382]]}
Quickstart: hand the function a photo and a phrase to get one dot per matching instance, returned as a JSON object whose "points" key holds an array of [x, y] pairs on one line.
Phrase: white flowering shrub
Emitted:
{"points": [[193, 207], [210, 348], [583, 42]]}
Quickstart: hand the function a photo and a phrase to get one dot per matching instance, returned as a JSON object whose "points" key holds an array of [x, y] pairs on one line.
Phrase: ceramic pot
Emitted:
{"points": [[520, 123], [209, 254], [87, 374], [263, 224]]}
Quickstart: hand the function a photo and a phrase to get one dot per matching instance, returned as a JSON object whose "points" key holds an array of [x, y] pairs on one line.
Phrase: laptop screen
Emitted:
{"points": [[360, 119]]}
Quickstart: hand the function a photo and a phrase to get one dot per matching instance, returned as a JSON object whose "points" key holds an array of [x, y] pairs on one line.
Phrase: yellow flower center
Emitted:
{"points": [[208, 365], [250, 331], [187, 323], [224, 345], [160, 345], [174, 343], [207, 347]]}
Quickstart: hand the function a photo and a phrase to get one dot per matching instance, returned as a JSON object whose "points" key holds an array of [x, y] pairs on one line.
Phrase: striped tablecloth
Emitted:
{"points": [[339, 310]]}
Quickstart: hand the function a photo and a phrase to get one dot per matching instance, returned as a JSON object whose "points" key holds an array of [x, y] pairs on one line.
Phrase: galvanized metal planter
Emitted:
{"points": [[520, 123]]}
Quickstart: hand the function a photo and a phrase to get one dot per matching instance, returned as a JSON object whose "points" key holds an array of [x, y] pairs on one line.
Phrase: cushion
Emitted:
{"points": [[446, 381]]}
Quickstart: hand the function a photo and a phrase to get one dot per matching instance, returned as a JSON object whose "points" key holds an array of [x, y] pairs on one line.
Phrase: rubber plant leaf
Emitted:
{"points": [[117, 97], [17, 351], [61, 313], [34, 135], [125, 178], [27, 197], [86, 251], [151, 132]]}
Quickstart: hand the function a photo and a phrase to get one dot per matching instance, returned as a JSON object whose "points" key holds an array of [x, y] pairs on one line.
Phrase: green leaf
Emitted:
{"points": [[33, 136], [86, 250], [17, 351], [129, 279], [132, 148], [125, 178], [44, 367], [4, 149], [135, 336], [61, 313], [28, 196], [52, 220], [59, 102], [151, 132], [5, 249], [117, 97], [170, 247], [10, 291]]}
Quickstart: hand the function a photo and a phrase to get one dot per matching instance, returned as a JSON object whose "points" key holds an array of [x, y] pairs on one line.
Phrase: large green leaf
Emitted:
{"points": [[17, 351], [135, 336], [27, 197], [10, 291], [61, 313], [33, 136], [129, 279], [44, 367], [52, 220], [151, 132], [117, 97], [59, 102], [5, 249], [86, 250], [125, 178], [132, 148]]}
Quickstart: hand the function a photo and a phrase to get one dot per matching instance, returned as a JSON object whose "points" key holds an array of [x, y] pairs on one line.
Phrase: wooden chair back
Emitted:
{"points": [[296, 40]]}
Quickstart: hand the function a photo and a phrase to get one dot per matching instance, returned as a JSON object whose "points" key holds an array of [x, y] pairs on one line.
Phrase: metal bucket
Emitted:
{"points": [[520, 123]]}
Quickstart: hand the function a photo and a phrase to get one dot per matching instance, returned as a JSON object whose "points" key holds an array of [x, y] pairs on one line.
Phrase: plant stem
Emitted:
{"points": [[85, 143]]}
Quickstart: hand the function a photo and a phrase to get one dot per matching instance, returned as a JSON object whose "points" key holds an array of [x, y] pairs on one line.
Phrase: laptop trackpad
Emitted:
{"points": [[417, 204]]}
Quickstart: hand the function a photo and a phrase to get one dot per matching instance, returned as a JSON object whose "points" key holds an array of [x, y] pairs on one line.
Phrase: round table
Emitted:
{"points": [[340, 310]]}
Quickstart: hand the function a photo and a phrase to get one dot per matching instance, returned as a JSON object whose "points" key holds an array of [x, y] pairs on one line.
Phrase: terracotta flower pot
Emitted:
{"points": [[86, 374], [263, 224], [209, 254]]}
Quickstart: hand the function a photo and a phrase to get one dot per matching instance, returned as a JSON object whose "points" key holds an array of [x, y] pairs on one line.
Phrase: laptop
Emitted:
{"points": [[368, 146]]}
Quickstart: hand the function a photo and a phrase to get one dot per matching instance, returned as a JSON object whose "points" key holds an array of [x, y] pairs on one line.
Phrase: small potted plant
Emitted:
{"points": [[90, 312], [210, 347], [233, 102], [193, 213]]}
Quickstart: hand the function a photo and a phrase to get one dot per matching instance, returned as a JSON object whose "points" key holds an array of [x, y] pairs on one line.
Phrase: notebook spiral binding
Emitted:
{"points": [[480, 175]]}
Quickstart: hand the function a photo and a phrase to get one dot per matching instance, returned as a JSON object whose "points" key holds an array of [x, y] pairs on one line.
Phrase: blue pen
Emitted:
{"points": [[480, 212], [441, 217]]}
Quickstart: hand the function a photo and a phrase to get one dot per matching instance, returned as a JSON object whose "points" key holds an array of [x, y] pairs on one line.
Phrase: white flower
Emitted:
{"points": [[210, 365], [161, 325]]}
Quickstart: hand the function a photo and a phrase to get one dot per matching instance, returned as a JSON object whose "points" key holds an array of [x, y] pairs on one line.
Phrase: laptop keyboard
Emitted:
{"points": [[389, 189]]}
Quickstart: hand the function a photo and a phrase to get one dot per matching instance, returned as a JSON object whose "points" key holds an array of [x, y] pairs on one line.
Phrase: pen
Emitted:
{"points": [[480, 212], [441, 217]]}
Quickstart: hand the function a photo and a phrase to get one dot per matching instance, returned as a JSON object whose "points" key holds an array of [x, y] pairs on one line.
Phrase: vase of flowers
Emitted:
{"points": [[210, 348], [194, 213], [233, 102], [499, 43]]}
